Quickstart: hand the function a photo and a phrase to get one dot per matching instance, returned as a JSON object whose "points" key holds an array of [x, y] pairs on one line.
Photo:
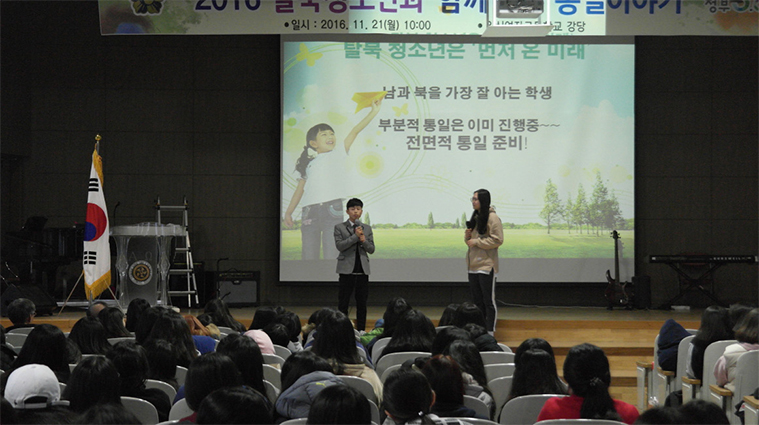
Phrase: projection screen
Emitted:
{"points": [[546, 128]]}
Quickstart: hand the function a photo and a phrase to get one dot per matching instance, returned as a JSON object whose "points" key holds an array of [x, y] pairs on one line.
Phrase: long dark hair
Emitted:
{"points": [[113, 321], [536, 374], [134, 312], [470, 361], [396, 308], [95, 380], [407, 396], [131, 361], [339, 404], [533, 344], [444, 376], [715, 326], [304, 159], [479, 217], [247, 356], [172, 327], [90, 336], [46, 344], [221, 315], [586, 370], [446, 336], [208, 373], [336, 341], [235, 405], [302, 363], [414, 332]]}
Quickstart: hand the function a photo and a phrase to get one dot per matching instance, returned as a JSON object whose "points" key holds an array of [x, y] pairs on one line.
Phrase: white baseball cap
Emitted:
{"points": [[32, 381]]}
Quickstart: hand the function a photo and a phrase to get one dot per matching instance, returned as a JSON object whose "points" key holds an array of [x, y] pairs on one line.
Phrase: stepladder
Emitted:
{"points": [[182, 264]]}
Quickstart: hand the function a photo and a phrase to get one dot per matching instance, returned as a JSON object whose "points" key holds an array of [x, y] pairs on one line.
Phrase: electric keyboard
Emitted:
{"points": [[718, 259]]}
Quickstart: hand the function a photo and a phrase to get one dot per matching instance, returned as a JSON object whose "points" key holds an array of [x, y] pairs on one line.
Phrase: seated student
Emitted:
{"points": [[472, 371], [33, 391], [447, 318], [95, 381], [46, 345], [113, 321], [659, 415], [586, 370], [262, 339], [702, 412], [135, 310], [747, 334], [408, 399], [340, 404], [278, 334], [206, 374], [715, 326], [219, 311], [96, 308], [535, 374], [132, 363], [90, 336], [263, 317], [21, 312], [162, 362], [201, 336], [108, 413], [444, 376], [468, 312], [446, 336], [235, 405], [482, 339], [292, 322], [245, 353], [172, 327], [304, 374], [336, 342], [414, 332], [206, 320], [394, 310]]}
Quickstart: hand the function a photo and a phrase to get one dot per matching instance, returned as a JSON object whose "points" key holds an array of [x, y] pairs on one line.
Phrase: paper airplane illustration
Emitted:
{"points": [[365, 99]]}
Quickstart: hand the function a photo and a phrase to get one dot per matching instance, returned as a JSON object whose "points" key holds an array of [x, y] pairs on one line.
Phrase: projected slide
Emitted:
{"points": [[414, 129]]}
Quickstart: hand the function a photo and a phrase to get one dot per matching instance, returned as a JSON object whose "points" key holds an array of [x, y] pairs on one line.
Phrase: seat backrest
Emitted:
{"points": [[374, 410], [746, 374], [296, 421], [273, 359], [477, 405], [682, 361], [713, 352], [115, 341], [25, 330], [362, 385], [181, 375], [145, 412], [281, 351], [500, 387], [227, 330], [493, 357], [524, 409], [378, 347], [505, 347], [580, 422], [271, 392], [163, 386], [388, 371], [273, 375], [467, 420], [16, 339], [396, 358], [180, 410], [499, 370]]}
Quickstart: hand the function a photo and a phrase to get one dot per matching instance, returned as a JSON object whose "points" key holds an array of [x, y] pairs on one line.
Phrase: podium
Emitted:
{"points": [[143, 261]]}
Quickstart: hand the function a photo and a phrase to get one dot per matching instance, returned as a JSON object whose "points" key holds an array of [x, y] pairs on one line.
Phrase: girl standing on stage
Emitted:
{"points": [[483, 236]]}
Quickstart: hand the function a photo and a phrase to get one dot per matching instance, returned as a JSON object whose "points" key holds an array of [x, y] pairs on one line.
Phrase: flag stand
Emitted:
{"points": [[88, 299]]}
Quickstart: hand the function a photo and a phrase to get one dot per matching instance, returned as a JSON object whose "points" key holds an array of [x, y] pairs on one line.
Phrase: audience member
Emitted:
{"points": [[446, 336], [340, 404], [295, 400], [659, 415], [715, 326], [201, 336], [206, 374], [469, 360], [447, 318], [408, 398], [482, 339], [95, 381], [736, 313], [245, 353], [292, 322], [262, 317], [309, 329], [207, 321], [702, 412], [670, 335], [131, 362], [219, 311], [171, 326], [137, 307], [108, 414], [396, 308], [46, 345], [95, 308], [300, 364], [262, 339], [21, 312], [7, 413], [747, 335], [145, 325], [468, 312], [235, 405], [586, 370], [162, 362], [89, 335], [530, 344], [444, 376], [33, 391], [337, 343], [113, 321], [414, 332], [536, 374], [73, 354], [278, 334]]}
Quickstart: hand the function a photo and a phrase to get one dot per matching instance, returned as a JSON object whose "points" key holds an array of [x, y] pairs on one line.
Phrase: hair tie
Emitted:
{"points": [[420, 414], [595, 382]]}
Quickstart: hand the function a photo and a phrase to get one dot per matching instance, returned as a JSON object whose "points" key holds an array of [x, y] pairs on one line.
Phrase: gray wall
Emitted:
{"points": [[199, 116]]}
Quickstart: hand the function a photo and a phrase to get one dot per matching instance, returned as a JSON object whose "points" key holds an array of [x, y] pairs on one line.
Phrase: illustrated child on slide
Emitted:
{"points": [[321, 186]]}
